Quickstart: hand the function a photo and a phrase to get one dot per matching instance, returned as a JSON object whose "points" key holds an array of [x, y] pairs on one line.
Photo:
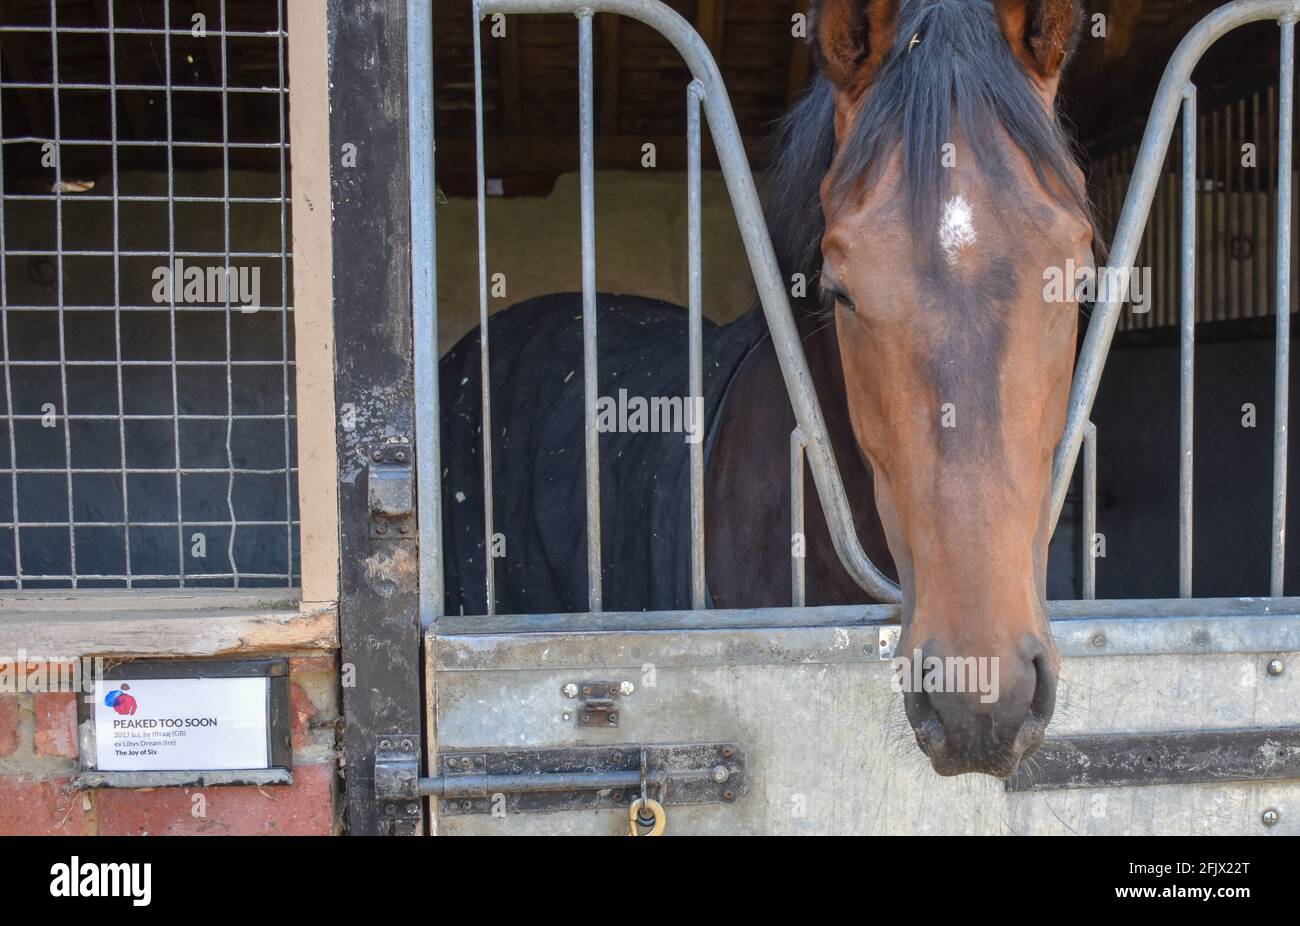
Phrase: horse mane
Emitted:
{"points": [[960, 79]]}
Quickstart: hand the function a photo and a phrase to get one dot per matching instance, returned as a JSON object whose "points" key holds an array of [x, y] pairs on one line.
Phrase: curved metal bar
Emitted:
{"points": [[762, 262], [1133, 218]]}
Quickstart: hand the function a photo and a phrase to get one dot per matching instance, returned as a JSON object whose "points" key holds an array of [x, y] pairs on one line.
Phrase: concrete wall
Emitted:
{"points": [[640, 246]]}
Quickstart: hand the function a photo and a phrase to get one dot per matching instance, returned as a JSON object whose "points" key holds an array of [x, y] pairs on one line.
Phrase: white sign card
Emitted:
{"points": [[179, 724]]}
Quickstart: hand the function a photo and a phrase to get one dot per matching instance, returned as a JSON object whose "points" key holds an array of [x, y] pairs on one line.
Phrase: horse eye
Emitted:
{"points": [[836, 296]]}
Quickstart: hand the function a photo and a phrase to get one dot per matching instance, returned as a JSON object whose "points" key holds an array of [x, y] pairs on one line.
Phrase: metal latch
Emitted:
{"points": [[599, 701], [397, 783], [568, 778], [390, 493]]}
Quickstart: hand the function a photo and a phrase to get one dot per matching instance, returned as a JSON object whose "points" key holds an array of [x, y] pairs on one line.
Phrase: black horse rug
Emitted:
{"points": [[537, 454]]}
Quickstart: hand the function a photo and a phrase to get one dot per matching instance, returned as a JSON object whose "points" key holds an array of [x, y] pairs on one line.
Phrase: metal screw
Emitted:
{"points": [[616, 758], [407, 744], [1098, 639], [378, 455], [726, 752], [400, 456], [728, 795], [405, 528], [1276, 667], [626, 688], [383, 744], [570, 690], [721, 773], [567, 716], [411, 808], [1270, 817], [466, 805], [382, 529], [478, 760], [613, 718], [390, 808]]}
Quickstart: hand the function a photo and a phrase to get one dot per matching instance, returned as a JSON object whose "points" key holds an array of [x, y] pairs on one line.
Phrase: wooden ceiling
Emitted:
{"points": [[530, 80], [530, 75]]}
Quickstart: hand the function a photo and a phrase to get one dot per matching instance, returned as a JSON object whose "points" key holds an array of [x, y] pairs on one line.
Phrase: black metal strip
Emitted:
{"points": [[1264, 754]]}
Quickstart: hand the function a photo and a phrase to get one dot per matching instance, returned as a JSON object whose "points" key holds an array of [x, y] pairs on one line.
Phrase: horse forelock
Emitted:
{"points": [[949, 76]]}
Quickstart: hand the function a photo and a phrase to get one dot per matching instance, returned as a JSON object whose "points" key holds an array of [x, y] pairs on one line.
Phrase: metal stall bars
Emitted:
{"points": [[161, 437], [706, 90], [1177, 92]]}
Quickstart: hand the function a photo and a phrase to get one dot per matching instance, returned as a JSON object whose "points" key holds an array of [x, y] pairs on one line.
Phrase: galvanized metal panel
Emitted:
{"points": [[829, 749]]}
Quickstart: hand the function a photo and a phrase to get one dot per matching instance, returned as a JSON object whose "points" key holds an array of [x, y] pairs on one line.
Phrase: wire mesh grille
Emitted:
{"points": [[149, 420]]}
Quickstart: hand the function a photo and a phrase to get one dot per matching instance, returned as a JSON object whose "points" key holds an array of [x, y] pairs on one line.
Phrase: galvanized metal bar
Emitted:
{"points": [[798, 561], [1282, 347], [117, 311], [590, 384], [695, 359], [424, 304], [230, 334], [734, 162], [1146, 174], [1089, 511], [8, 375], [847, 634], [470, 785], [59, 284], [1187, 343], [485, 368]]}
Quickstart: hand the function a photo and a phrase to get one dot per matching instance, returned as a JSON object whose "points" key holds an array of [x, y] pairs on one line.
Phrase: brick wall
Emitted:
{"points": [[38, 760]]}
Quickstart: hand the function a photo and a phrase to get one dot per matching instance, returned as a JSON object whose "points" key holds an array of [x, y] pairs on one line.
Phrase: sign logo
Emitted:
{"points": [[120, 701]]}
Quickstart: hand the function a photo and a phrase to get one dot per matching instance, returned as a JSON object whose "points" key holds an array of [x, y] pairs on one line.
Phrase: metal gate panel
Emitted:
{"points": [[806, 696]]}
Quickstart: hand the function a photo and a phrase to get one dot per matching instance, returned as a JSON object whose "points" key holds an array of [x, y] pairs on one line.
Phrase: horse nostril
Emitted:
{"points": [[1044, 700]]}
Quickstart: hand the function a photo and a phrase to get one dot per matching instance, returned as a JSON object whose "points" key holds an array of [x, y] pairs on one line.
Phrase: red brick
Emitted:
{"points": [[301, 712], [313, 665], [305, 808], [10, 717], [56, 724], [40, 808]]}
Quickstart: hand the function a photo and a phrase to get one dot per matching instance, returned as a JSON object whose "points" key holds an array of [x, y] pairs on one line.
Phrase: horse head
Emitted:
{"points": [[951, 194]]}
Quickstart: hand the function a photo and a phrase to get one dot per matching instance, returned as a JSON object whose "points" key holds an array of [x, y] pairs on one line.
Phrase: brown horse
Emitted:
{"points": [[946, 189], [924, 179]]}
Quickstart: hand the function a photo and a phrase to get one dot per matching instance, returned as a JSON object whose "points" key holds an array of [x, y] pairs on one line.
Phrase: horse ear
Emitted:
{"points": [[852, 38], [1041, 33]]}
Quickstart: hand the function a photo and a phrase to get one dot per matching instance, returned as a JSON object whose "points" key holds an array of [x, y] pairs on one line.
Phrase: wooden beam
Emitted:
{"points": [[74, 623], [512, 93], [800, 57], [607, 83], [1120, 27], [710, 15]]}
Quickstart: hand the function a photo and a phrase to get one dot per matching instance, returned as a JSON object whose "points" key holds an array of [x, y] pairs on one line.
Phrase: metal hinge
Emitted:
{"points": [[568, 778], [390, 493]]}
